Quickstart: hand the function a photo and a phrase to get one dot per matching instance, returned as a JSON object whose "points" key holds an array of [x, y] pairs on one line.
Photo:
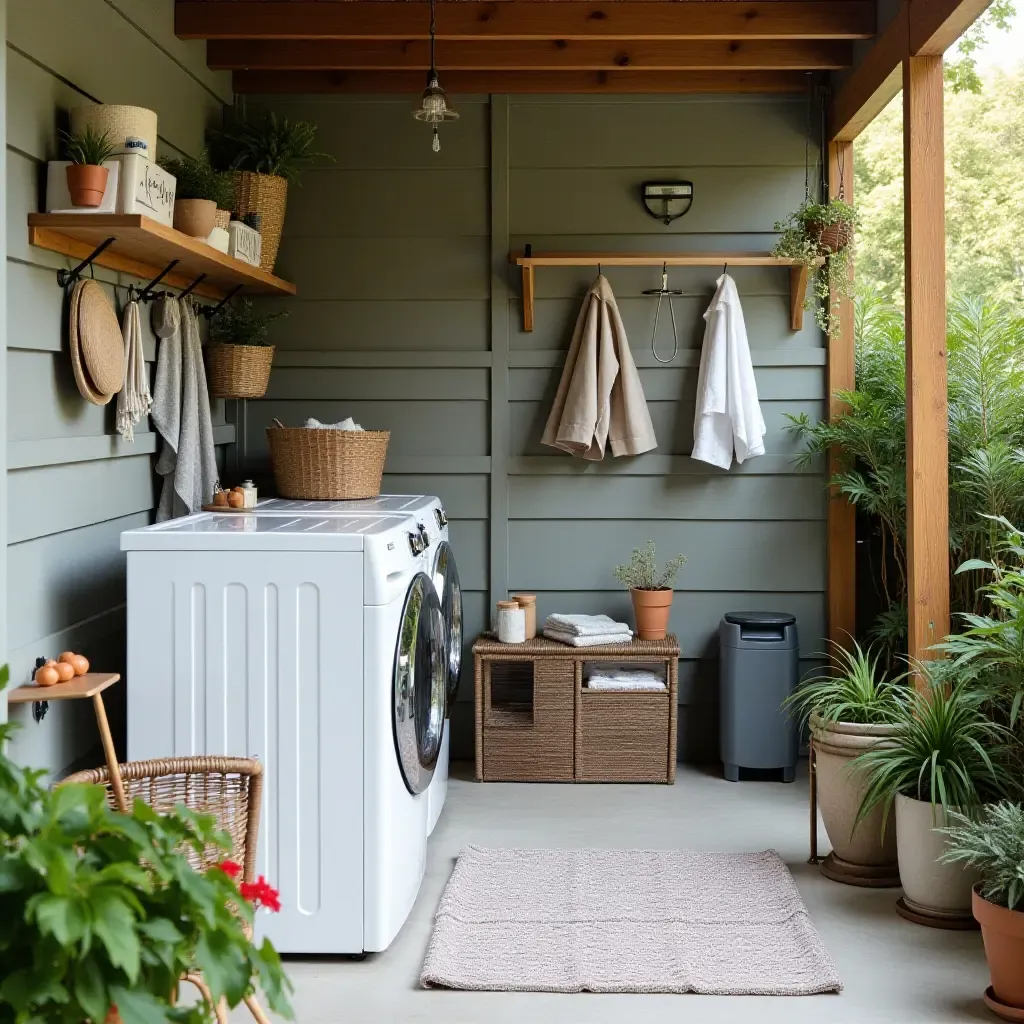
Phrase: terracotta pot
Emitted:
{"points": [[87, 183], [933, 886], [840, 791], [651, 608], [1003, 933], [195, 217]]}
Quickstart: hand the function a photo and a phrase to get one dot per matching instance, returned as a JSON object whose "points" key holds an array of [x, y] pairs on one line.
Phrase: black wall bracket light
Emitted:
{"points": [[667, 200]]}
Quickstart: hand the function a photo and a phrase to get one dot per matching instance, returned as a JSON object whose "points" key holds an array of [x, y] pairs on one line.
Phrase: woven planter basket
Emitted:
{"points": [[238, 371], [833, 237], [327, 465], [267, 195], [119, 123], [223, 219]]}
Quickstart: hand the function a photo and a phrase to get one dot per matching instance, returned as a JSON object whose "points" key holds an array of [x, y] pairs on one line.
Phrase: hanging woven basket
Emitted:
{"points": [[267, 195], [830, 237], [238, 371]]}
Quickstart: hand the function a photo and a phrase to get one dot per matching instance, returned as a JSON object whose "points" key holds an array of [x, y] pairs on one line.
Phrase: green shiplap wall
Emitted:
{"points": [[72, 484], [409, 318]]}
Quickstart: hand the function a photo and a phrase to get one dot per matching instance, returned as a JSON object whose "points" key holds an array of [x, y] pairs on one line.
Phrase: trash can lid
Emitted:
{"points": [[760, 618]]}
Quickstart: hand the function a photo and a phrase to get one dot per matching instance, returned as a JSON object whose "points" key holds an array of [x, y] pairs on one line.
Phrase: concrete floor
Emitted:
{"points": [[892, 970]]}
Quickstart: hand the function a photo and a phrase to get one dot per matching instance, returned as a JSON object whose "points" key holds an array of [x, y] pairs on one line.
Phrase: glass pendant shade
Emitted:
{"points": [[433, 106]]}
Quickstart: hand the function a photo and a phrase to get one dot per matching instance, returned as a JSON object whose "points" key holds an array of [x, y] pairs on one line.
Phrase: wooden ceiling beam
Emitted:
{"points": [[455, 82], [515, 19], [936, 25], [560, 55]]}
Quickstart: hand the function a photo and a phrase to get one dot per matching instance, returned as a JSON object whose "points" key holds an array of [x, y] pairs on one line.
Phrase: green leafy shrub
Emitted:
{"points": [[641, 572], [993, 843], [197, 179], [268, 146], [243, 324], [89, 146]]}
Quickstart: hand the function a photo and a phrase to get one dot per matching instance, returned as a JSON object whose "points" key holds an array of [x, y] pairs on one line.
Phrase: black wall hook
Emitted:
{"points": [[66, 277], [188, 290], [147, 293], [211, 311]]}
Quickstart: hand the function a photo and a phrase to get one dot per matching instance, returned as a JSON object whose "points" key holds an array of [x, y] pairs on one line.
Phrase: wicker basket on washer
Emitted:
{"points": [[324, 464]]}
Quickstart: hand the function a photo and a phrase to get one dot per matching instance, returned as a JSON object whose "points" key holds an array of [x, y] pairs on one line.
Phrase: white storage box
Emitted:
{"points": [[245, 243], [146, 188]]}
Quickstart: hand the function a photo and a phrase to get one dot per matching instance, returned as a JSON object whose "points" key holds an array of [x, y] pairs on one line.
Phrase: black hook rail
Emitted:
{"points": [[147, 293], [66, 277], [211, 311]]}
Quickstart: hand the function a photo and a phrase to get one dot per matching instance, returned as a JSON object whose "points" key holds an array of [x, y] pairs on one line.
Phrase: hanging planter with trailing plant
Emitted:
{"points": [[238, 356]]}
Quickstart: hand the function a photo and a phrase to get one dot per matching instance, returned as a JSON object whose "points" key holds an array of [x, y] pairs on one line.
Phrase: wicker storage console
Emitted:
{"points": [[536, 720]]}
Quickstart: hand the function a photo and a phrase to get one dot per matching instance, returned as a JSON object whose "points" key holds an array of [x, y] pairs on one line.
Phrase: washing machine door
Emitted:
{"points": [[420, 684], [449, 593]]}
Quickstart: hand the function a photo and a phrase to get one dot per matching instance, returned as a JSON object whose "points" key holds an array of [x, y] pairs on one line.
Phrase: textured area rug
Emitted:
{"points": [[625, 921]]}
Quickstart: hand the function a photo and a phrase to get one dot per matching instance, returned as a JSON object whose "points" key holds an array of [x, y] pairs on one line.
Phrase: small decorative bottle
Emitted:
{"points": [[528, 602], [511, 623], [248, 494]]}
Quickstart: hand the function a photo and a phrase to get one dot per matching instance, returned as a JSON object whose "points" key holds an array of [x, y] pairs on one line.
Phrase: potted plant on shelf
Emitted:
{"points": [[266, 156], [199, 192], [239, 355], [820, 237], [103, 913], [851, 708], [650, 591], [88, 150], [993, 846], [944, 757]]}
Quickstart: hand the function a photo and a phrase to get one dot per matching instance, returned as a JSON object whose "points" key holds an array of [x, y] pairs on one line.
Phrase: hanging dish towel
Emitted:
{"points": [[181, 412], [133, 400], [728, 415], [600, 400]]}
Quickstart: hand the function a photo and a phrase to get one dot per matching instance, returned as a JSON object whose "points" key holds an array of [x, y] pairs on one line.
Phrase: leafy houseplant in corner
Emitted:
{"points": [[944, 757], [87, 177], [266, 156], [650, 591], [102, 913], [199, 192], [820, 236], [993, 846], [239, 356], [851, 709]]}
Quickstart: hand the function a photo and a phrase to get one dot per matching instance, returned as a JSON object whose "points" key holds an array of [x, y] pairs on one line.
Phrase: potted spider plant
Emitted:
{"points": [[266, 156], [650, 591], [239, 354], [88, 150], [992, 845], [199, 192], [820, 237], [943, 757], [851, 708]]}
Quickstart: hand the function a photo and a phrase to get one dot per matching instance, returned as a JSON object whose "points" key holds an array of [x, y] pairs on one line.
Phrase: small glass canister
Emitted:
{"points": [[528, 602], [248, 494], [511, 623]]}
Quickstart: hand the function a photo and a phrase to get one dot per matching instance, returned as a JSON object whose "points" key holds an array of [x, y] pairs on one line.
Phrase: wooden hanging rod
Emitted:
{"points": [[528, 261]]}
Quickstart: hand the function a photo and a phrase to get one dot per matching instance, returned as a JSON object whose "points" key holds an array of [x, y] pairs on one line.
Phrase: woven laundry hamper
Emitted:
{"points": [[321, 464], [130, 129], [238, 371], [267, 195]]}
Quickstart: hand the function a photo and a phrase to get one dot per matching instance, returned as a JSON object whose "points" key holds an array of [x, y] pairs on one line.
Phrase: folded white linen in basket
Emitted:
{"points": [[585, 625], [346, 424], [625, 680], [588, 641]]}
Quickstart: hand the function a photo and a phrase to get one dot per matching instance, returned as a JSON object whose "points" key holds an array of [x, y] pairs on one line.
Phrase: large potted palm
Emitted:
{"points": [[851, 708]]}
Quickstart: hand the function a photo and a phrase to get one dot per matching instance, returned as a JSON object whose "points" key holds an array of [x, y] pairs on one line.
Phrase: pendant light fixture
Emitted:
{"points": [[433, 106]]}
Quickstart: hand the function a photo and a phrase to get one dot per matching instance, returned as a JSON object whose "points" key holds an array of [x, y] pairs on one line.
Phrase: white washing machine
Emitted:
{"points": [[316, 644], [439, 563]]}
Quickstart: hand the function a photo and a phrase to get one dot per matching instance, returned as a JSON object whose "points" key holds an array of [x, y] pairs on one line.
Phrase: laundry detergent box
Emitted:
{"points": [[146, 188]]}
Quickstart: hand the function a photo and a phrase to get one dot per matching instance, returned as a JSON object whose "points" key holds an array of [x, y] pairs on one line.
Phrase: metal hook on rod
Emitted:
{"points": [[211, 311], [66, 277], [188, 290], [145, 295], [662, 292]]}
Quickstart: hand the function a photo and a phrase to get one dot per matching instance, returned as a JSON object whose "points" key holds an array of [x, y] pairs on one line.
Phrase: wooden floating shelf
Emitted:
{"points": [[798, 273], [143, 248]]}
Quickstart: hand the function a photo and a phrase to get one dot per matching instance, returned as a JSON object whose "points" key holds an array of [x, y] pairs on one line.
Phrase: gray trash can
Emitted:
{"points": [[759, 669]]}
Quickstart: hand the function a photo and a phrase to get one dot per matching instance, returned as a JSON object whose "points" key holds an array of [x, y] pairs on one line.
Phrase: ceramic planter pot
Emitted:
{"points": [[860, 855], [651, 608], [1003, 933], [928, 885], [195, 217], [87, 183]]}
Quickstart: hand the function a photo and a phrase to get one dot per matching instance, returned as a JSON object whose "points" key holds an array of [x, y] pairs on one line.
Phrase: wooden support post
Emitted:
{"points": [[528, 292], [109, 752], [842, 522], [798, 277], [927, 422]]}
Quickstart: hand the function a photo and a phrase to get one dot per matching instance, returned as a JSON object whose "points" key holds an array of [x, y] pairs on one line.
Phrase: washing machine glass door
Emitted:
{"points": [[449, 593], [420, 684]]}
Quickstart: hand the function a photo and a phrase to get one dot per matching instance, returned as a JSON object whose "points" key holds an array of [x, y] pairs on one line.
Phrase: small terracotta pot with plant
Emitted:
{"points": [[650, 591], [199, 192], [88, 150], [993, 845], [239, 355]]}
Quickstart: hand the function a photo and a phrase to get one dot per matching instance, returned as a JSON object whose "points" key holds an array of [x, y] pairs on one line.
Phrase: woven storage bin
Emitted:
{"points": [[267, 195], [120, 123], [223, 219], [622, 737], [833, 237], [325, 464], [238, 371]]}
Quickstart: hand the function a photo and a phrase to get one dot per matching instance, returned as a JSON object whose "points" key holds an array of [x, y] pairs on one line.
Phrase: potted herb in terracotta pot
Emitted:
{"points": [[239, 355], [87, 177], [943, 758], [651, 592], [851, 708], [820, 237], [199, 192], [993, 846]]}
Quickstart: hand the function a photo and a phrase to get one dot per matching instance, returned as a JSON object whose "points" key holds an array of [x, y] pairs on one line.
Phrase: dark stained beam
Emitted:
{"points": [[515, 19], [560, 55]]}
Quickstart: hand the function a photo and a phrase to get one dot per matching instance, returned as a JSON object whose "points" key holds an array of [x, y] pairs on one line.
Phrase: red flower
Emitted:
{"points": [[230, 868], [261, 894]]}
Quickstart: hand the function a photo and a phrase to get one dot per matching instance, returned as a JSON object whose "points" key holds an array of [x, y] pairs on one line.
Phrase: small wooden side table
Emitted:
{"points": [[90, 686]]}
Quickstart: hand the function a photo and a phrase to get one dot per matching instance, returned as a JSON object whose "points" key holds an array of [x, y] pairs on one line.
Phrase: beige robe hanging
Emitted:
{"points": [[600, 399]]}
